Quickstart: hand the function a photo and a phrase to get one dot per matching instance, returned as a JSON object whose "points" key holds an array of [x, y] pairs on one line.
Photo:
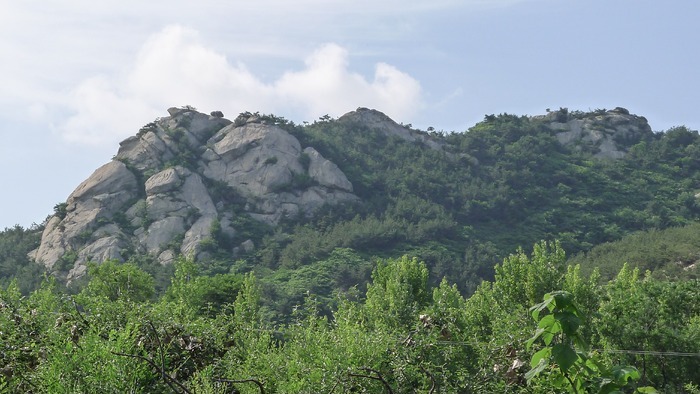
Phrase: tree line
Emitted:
{"points": [[539, 326]]}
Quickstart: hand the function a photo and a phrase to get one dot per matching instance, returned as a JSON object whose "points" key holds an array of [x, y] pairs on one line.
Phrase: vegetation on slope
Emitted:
{"points": [[505, 183], [401, 335], [326, 304]]}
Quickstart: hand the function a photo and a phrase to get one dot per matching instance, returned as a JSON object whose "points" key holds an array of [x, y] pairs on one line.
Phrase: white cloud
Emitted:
{"points": [[174, 68], [326, 86]]}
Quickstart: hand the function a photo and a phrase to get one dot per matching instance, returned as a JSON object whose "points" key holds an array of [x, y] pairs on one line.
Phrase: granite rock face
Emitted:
{"points": [[173, 182], [608, 134]]}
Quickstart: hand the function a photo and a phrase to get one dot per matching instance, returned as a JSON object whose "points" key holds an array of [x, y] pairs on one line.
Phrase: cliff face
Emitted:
{"points": [[171, 184]]}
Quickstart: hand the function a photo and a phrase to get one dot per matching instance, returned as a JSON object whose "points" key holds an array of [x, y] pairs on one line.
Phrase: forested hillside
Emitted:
{"points": [[417, 278], [539, 327]]}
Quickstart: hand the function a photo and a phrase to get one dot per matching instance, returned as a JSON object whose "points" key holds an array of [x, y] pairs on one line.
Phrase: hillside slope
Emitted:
{"points": [[261, 193]]}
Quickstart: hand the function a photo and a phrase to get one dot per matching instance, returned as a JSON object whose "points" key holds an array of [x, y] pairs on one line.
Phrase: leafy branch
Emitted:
{"points": [[577, 370]]}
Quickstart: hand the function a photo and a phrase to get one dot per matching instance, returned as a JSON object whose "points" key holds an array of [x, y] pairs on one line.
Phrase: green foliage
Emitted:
{"points": [[668, 253], [401, 335], [577, 370], [287, 287], [15, 244], [522, 280], [197, 294], [270, 160], [119, 281], [643, 314], [399, 290], [305, 161], [313, 319], [508, 178], [60, 210]]}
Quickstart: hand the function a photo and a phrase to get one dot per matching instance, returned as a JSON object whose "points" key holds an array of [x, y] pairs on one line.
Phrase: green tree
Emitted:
{"points": [[398, 292], [119, 281], [564, 357], [642, 314], [193, 293], [522, 280]]}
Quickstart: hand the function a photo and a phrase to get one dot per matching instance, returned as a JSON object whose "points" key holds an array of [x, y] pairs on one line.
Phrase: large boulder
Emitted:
{"points": [[325, 172]]}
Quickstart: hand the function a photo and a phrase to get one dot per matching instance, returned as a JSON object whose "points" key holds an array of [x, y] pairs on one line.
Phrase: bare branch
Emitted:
{"points": [[377, 377], [433, 385], [167, 378]]}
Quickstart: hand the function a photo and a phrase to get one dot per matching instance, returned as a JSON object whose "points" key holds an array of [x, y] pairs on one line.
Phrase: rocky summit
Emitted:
{"points": [[607, 133], [172, 182], [187, 175]]}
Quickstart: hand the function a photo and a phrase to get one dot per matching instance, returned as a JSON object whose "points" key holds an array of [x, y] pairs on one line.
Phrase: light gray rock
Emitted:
{"points": [[180, 204], [325, 172], [112, 179], [255, 159], [52, 245], [162, 182], [165, 205], [161, 232], [106, 248], [226, 223], [99, 197], [167, 257], [199, 231], [202, 126], [141, 201], [248, 245], [609, 133], [195, 194], [148, 151], [76, 272]]}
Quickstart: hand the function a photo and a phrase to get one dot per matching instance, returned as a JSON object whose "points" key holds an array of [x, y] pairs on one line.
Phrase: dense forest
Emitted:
{"points": [[540, 326], [429, 283]]}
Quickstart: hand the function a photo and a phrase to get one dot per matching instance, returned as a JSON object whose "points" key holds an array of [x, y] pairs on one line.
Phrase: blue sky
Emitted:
{"points": [[77, 77]]}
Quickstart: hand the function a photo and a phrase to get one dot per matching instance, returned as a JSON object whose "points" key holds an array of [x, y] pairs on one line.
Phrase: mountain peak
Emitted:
{"points": [[378, 121], [179, 178]]}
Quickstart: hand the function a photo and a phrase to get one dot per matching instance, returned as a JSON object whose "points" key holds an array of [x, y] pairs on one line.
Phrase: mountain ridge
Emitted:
{"points": [[188, 181]]}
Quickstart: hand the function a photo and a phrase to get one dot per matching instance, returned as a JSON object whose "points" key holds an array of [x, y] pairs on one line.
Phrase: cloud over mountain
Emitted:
{"points": [[174, 66]]}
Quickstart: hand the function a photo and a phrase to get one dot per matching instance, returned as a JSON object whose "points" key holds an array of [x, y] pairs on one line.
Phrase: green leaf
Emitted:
{"points": [[532, 340], [593, 365], [541, 365], [564, 356], [542, 354], [622, 374], [562, 299], [569, 322], [604, 385], [646, 390], [551, 327], [535, 310], [547, 322]]}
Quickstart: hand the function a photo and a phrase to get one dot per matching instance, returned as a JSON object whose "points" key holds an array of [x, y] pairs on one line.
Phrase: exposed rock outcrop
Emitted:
{"points": [[376, 120], [187, 178], [607, 134], [172, 183]]}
